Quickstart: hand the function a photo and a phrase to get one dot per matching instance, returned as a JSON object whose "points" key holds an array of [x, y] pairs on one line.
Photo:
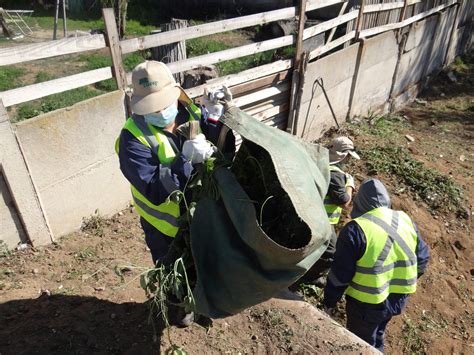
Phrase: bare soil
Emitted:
{"points": [[68, 297]]}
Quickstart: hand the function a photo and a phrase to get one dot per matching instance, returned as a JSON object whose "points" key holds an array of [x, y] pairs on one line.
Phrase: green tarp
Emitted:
{"points": [[237, 264]]}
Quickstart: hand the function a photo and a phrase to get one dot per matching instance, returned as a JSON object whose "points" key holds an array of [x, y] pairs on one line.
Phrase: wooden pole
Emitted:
{"points": [[64, 19], [296, 67], [299, 38], [56, 20], [113, 43], [301, 81], [360, 20]]}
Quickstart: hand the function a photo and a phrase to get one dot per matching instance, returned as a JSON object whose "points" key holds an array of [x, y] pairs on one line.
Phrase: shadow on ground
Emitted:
{"points": [[75, 324]]}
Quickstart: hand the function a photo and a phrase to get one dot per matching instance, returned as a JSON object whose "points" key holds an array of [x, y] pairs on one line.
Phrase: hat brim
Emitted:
{"points": [[354, 154], [336, 157], [154, 102]]}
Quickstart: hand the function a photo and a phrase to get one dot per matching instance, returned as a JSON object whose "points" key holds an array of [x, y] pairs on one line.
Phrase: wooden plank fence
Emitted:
{"points": [[263, 91]]}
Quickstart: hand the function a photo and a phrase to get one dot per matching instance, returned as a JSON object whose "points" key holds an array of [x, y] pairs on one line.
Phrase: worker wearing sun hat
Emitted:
{"points": [[339, 195], [341, 185], [157, 155]]}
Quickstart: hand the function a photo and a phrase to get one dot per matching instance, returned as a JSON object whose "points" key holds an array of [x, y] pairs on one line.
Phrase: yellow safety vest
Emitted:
{"points": [[389, 264], [333, 211], [164, 216]]}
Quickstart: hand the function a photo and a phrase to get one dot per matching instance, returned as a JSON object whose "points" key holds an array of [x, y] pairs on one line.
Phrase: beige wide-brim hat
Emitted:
{"points": [[154, 88], [340, 148]]}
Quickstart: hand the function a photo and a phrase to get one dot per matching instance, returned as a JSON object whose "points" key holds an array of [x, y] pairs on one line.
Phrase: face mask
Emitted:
{"points": [[163, 118]]}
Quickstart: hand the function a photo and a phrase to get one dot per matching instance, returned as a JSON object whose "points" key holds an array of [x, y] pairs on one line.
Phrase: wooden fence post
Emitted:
{"points": [[360, 20], [113, 43], [291, 127]]}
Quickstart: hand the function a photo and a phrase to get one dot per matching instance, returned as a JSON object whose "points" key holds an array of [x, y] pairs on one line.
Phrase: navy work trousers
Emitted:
{"points": [[157, 242], [368, 321]]}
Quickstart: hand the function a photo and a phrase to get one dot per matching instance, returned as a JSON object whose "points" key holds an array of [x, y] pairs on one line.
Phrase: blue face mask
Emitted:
{"points": [[163, 118]]}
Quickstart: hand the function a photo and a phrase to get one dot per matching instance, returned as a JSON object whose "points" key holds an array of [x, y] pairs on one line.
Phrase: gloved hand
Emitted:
{"points": [[198, 149], [212, 100], [350, 181], [228, 102]]}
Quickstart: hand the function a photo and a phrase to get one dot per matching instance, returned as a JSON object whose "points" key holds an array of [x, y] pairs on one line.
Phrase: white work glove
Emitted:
{"points": [[198, 149], [228, 102], [212, 100], [217, 101], [350, 181]]}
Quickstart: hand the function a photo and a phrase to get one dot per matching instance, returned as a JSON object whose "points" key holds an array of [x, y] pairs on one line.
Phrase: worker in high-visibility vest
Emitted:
{"points": [[158, 157], [341, 185], [379, 257], [339, 196]]}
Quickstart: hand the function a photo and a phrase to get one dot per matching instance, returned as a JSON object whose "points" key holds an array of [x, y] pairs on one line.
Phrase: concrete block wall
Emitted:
{"points": [[337, 72], [383, 73], [21, 214], [373, 82], [71, 157]]}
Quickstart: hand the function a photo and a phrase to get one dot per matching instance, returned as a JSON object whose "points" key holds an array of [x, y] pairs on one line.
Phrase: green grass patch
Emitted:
{"points": [[10, 77], [43, 76], [46, 22], [463, 64], [96, 61], [381, 126], [413, 342], [201, 46], [54, 102], [437, 190]]}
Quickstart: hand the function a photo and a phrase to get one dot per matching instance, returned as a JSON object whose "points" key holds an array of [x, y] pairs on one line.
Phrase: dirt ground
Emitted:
{"points": [[82, 294], [70, 298]]}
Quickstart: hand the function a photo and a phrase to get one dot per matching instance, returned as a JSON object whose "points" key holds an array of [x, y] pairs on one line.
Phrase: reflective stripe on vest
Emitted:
{"points": [[389, 264], [164, 216], [333, 211]]}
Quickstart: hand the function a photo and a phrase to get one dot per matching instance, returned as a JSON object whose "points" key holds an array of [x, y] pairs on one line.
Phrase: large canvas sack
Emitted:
{"points": [[237, 264]]}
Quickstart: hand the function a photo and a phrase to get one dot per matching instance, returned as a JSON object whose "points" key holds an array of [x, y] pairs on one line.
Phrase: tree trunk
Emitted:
{"points": [[172, 52], [123, 22]]}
